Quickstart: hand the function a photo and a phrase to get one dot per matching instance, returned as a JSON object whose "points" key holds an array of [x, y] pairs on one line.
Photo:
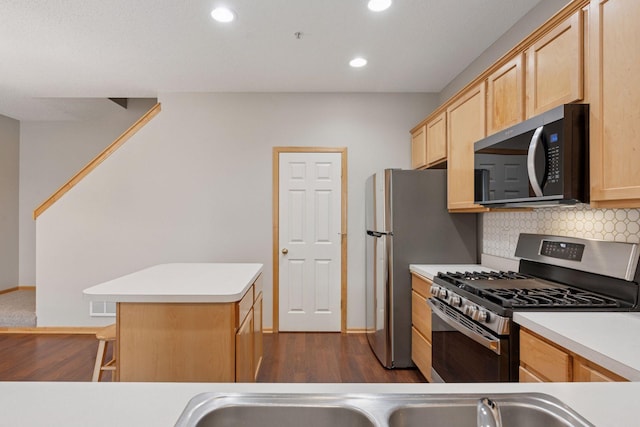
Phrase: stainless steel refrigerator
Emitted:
{"points": [[407, 222]]}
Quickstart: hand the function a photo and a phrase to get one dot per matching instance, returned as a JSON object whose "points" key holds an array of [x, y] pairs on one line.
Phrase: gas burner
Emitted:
{"points": [[556, 297], [465, 280], [509, 290], [485, 275]]}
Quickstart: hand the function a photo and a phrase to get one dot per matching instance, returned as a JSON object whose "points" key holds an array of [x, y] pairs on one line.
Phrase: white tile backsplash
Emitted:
{"points": [[501, 229]]}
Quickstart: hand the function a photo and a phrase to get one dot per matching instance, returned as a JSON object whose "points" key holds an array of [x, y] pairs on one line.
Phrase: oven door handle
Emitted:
{"points": [[491, 344]]}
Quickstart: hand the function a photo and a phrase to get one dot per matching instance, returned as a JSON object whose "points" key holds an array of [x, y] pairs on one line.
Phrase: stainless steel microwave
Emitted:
{"points": [[542, 161]]}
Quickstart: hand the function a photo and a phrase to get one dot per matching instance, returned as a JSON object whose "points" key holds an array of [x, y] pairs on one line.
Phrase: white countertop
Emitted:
{"points": [[27, 404], [179, 282], [612, 340], [431, 270]]}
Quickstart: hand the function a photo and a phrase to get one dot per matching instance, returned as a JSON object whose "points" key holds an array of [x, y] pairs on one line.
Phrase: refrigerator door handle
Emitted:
{"points": [[378, 233]]}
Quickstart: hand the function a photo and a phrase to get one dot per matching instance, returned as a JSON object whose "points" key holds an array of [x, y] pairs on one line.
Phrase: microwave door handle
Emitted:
{"points": [[491, 344], [531, 161]]}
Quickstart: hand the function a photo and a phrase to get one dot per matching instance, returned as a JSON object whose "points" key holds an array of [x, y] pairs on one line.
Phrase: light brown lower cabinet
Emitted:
{"points": [[244, 350], [257, 335], [421, 324], [190, 342], [544, 361], [249, 339], [421, 353]]}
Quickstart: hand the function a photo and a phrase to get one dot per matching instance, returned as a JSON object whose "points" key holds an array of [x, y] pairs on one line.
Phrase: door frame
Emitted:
{"points": [[276, 229]]}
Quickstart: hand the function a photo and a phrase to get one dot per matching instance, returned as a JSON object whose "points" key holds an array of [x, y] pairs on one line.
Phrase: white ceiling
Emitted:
{"points": [[55, 49]]}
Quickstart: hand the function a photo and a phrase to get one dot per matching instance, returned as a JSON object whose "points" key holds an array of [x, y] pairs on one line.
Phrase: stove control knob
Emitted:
{"points": [[442, 293], [481, 316], [434, 290], [456, 301], [470, 310]]}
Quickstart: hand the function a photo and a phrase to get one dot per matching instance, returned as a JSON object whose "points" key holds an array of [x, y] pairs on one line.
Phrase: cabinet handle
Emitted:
{"points": [[285, 251]]}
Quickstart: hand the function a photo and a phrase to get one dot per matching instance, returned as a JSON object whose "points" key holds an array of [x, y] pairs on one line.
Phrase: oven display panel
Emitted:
{"points": [[562, 250]]}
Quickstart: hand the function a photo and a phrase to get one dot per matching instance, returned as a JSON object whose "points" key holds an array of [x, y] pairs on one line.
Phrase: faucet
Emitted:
{"points": [[488, 413]]}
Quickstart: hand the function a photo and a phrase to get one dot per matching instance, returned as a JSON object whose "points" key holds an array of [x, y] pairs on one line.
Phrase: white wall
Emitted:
{"points": [[518, 32], [195, 185], [9, 152], [51, 152]]}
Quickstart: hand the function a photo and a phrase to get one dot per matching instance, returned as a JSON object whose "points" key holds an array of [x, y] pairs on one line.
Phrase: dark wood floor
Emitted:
{"points": [[32, 357], [326, 357], [288, 357]]}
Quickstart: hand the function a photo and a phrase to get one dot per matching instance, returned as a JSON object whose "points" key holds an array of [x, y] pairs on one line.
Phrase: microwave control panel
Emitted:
{"points": [[554, 153], [553, 159]]}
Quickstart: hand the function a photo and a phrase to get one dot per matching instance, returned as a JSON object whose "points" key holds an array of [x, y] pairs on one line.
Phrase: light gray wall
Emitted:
{"points": [[51, 152], [9, 153], [194, 185], [520, 30]]}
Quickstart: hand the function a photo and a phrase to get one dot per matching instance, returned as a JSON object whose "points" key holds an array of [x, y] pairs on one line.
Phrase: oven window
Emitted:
{"points": [[457, 358]]}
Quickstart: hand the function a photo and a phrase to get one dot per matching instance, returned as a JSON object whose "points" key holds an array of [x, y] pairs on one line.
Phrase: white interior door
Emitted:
{"points": [[310, 214]]}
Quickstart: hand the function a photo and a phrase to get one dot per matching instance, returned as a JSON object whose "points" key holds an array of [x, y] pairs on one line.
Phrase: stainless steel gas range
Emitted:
{"points": [[474, 338]]}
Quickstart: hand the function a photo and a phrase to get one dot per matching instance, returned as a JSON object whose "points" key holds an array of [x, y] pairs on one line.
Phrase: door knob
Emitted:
{"points": [[285, 251]]}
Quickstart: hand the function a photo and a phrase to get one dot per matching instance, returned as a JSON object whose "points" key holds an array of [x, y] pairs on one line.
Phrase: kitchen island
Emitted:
{"points": [[29, 404], [187, 322]]}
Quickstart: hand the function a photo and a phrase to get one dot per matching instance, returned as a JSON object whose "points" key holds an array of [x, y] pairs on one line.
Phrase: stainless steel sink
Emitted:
{"points": [[372, 410], [522, 410], [281, 410]]}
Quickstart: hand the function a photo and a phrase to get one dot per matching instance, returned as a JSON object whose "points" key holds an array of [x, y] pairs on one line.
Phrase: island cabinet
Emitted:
{"points": [[544, 361], [614, 67], [210, 342], [421, 324], [505, 96], [187, 322], [257, 328], [465, 125], [248, 336], [555, 66]]}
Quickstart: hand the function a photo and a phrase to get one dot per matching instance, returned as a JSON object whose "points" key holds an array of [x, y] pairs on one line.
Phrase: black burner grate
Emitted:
{"points": [[484, 275], [525, 296], [547, 298]]}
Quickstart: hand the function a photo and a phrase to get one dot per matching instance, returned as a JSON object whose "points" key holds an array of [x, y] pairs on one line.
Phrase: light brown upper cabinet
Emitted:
{"points": [[587, 52], [555, 65], [505, 96], [614, 67], [419, 147], [465, 126], [437, 139]]}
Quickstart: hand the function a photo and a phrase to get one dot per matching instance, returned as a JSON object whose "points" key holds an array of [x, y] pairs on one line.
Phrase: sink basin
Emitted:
{"points": [[372, 410], [285, 416], [524, 410], [266, 410]]}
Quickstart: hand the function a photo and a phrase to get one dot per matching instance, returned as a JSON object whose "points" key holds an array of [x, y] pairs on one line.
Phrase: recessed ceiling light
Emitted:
{"points": [[222, 14], [378, 5], [358, 62]]}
